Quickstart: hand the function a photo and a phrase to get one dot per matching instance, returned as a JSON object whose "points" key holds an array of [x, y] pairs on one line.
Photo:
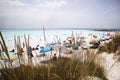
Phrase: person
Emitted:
{"points": [[0, 50], [12, 50], [23, 44], [37, 47], [22, 50], [44, 54], [54, 57], [31, 55]]}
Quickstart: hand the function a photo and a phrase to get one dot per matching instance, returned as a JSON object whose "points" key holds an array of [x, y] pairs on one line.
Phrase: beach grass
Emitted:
{"points": [[63, 69], [114, 44], [60, 70], [4, 47]]}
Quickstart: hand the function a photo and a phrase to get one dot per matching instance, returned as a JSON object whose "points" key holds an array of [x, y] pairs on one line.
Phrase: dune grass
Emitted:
{"points": [[112, 46], [60, 70], [63, 69]]}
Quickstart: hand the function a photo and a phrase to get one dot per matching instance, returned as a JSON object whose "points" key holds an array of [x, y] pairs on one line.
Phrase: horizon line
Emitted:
{"points": [[60, 28]]}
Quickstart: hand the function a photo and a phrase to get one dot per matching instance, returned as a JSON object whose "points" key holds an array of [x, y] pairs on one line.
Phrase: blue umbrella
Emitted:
{"points": [[52, 43], [45, 49]]}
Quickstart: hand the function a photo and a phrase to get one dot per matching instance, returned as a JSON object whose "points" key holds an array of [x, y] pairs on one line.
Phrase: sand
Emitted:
{"points": [[111, 66]]}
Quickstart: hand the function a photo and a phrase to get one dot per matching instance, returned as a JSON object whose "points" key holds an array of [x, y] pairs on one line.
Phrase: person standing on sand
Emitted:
{"points": [[23, 44], [30, 53], [54, 57]]}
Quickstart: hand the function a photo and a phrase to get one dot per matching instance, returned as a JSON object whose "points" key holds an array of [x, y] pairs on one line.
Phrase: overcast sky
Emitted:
{"points": [[60, 13]]}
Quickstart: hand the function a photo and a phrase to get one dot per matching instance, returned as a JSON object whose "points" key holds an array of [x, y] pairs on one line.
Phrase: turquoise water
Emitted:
{"points": [[3, 53], [36, 36]]}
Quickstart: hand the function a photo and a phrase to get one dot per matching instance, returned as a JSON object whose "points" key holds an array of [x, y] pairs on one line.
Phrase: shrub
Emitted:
{"points": [[102, 49], [114, 44]]}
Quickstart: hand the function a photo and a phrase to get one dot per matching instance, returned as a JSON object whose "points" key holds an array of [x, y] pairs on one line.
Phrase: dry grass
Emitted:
{"points": [[102, 49], [60, 70], [112, 46]]}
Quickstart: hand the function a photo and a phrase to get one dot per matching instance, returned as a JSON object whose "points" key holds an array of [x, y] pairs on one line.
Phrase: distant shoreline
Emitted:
{"points": [[111, 30], [94, 29]]}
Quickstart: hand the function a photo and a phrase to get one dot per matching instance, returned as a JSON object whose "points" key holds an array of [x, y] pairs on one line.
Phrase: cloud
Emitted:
{"points": [[12, 3], [58, 13], [17, 3], [19, 11], [51, 4], [33, 3]]}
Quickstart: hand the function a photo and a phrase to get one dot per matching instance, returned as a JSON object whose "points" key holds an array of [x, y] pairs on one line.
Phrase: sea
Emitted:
{"points": [[36, 36]]}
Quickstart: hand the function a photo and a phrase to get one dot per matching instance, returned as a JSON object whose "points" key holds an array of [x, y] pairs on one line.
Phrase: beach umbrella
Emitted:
{"points": [[109, 36], [59, 43], [103, 37], [67, 45], [52, 43], [64, 41], [45, 49], [92, 40]]}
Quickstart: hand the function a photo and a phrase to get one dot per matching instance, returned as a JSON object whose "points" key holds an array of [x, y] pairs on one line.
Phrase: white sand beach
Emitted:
{"points": [[111, 66]]}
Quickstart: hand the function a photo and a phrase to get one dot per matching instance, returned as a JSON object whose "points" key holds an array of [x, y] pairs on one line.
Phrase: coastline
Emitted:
{"points": [[80, 54]]}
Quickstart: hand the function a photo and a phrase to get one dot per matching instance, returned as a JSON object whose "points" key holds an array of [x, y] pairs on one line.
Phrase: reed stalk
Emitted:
{"points": [[5, 48]]}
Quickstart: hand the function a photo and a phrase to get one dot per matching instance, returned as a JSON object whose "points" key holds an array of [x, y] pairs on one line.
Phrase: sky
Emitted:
{"points": [[60, 13]]}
